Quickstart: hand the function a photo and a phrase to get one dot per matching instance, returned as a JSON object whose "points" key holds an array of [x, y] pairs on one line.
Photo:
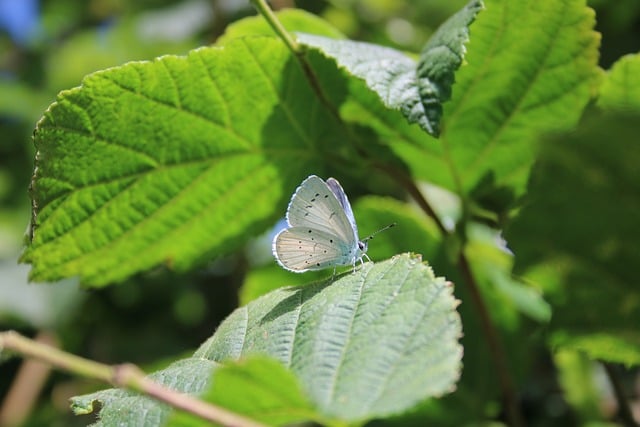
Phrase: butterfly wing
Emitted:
{"points": [[315, 205], [337, 190], [301, 249]]}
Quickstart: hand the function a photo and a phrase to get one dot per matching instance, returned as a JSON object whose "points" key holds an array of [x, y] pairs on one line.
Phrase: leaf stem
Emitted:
{"points": [[496, 348], [123, 376], [297, 50], [267, 13]]}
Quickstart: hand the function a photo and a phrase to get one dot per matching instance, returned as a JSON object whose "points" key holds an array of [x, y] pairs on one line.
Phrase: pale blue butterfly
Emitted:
{"points": [[322, 230]]}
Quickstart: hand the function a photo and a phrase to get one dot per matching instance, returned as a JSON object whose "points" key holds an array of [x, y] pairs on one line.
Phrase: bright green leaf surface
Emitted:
{"points": [[576, 377], [418, 91], [157, 161], [413, 232], [441, 57], [371, 344], [388, 72], [125, 408], [532, 67], [259, 388], [291, 19], [421, 153], [620, 90], [581, 222]]}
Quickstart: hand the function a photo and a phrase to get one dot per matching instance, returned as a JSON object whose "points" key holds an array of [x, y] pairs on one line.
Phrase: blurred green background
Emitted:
{"points": [[48, 46]]}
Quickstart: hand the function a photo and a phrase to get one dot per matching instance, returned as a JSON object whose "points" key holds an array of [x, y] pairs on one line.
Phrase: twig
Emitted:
{"points": [[124, 376], [26, 387], [624, 411], [273, 21], [298, 52], [496, 348], [498, 354]]}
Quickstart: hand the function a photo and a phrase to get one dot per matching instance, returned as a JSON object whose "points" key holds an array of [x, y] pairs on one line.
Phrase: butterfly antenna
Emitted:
{"points": [[393, 224]]}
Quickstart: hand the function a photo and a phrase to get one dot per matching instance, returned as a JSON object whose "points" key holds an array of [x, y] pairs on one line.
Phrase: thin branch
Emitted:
{"points": [[26, 387], [496, 348], [124, 376], [267, 13], [624, 411], [408, 184]]}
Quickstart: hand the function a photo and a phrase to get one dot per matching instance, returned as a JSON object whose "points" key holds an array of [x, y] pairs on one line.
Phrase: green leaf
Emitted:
{"points": [[369, 344], [420, 152], [579, 229], [127, 408], [387, 72], [372, 343], [576, 377], [291, 19], [532, 67], [414, 232], [417, 90], [620, 348], [257, 387], [157, 161], [440, 58], [620, 90], [492, 264]]}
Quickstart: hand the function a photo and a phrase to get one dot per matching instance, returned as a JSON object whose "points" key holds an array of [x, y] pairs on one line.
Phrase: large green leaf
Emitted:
{"points": [[159, 161], [262, 389], [257, 387], [417, 90], [532, 67], [440, 59], [126, 408], [372, 343], [620, 90], [291, 19], [578, 236]]}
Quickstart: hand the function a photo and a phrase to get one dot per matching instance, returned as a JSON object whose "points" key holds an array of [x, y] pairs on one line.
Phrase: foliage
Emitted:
{"points": [[504, 153]]}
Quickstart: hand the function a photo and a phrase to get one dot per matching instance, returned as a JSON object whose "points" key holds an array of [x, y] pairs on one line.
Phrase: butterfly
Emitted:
{"points": [[322, 230]]}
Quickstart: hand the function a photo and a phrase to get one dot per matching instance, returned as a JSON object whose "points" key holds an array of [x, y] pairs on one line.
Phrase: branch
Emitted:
{"points": [[498, 354], [496, 348], [275, 24], [123, 376]]}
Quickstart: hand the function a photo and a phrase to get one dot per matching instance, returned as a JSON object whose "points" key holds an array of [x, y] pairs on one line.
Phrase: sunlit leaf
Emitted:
{"points": [[620, 90], [532, 67], [159, 161]]}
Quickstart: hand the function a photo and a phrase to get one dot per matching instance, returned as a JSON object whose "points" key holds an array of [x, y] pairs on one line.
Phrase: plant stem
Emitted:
{"points": [[496, 348], [624, 411], [124, 376], [267, 13]]}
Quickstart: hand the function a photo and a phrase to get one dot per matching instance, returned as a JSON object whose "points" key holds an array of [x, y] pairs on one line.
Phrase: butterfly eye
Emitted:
{"points": [[362, 246]]}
